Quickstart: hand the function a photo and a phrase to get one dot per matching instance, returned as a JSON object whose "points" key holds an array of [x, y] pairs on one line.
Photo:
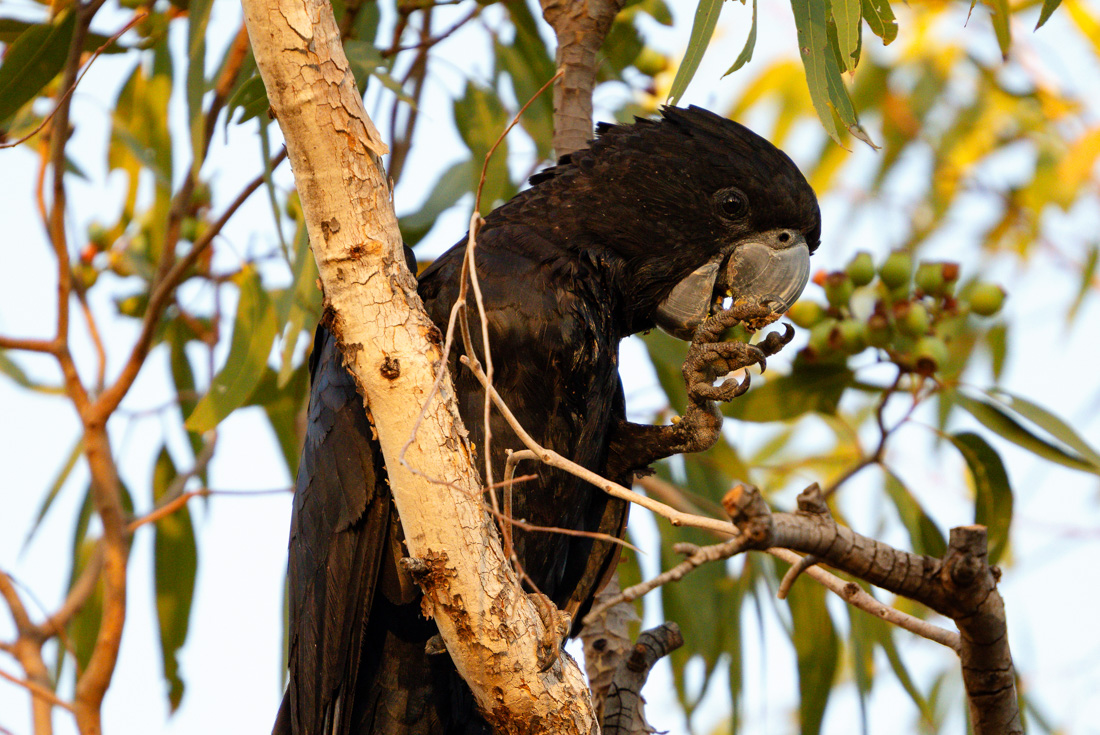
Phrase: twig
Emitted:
{"points": [[696, 557], [37, 690], [139, 16], [158, 300], [793, 573]]}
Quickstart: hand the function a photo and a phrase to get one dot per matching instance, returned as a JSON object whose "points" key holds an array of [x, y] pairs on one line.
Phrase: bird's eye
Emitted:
{"points": [[732, 202]]}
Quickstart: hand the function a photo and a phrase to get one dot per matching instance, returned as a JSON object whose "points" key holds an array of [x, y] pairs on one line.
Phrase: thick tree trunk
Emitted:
{"points": [[490, 627]]}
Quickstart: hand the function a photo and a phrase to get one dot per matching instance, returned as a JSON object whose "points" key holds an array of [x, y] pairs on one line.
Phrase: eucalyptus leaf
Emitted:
{"points": [[702, 29], [253, 335], [993, 501], [32, 60], [175, 565]]}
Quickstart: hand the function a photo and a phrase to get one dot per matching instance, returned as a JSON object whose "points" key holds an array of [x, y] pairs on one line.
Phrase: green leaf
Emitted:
{"points": [[1049, 6], [452, 186], [996, 339], [750, 44], [253, 334], [817, 47], [702, 28], [880, 19], [924, 535], [55, 488], [177, 334], [995, 418], [175, 564], [993, 506], [11, 29], [282, 404], [1001, 25], [530, 64], [299, 305], [1084, 286], [481, 118], [807, 388], [13, 370], [33, 60], [250, 98], [817, 646], [198, 16], [1047, 421], [846, 16]]}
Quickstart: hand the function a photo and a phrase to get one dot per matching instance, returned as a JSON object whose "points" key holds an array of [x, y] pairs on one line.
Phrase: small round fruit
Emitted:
{"points": [[915, 321], [852, 336], [929, 278], [986, 299], [650, 62], [878, 330], [838, 289], [895, 270], [931, 354], [861, 269], [806, 313]]}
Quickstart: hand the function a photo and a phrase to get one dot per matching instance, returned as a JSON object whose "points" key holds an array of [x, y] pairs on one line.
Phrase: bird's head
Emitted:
{"points": [[692, 208]]}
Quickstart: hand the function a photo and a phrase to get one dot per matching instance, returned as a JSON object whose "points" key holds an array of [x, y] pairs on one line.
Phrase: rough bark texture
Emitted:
{"points": [[580, 27], [490, 627], [961, 586]]}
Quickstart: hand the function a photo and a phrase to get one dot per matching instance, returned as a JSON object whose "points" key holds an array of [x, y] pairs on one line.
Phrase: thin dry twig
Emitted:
{"points": [[37, 690]]}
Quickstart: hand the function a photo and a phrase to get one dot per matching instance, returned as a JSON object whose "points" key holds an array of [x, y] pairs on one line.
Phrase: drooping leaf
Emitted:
{"points": [[996, 418], [880, 19], [750, 45], [1047, 421], [1001, 25], [198, 16], [253, 334], [175, 564], [817, 647], [13, 370], [993, 501], [55, 488], [847, 15], [299, 305], [250, 98], [282, 404], [481, 119], [1088, 273], [1049, 6], [453, 184], [702, 29], [33, 60], [12, 28], [817, 48], [924, 535]]}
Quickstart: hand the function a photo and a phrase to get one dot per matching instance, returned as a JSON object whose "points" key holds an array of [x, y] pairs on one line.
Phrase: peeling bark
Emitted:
{"points": [[491, 629]]}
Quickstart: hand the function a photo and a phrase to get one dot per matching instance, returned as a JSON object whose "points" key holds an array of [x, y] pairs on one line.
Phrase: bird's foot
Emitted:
{"points": [[709, 359], [555, 628]]}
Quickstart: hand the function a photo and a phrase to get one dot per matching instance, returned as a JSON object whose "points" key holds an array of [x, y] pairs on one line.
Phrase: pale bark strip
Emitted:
{"points": [[491, 629]]}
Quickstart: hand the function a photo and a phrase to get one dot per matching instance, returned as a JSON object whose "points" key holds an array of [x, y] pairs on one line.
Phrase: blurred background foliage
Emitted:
{"points": [[986, 157]]}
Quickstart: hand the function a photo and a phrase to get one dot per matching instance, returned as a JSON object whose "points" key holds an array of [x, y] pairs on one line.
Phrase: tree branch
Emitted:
{"points": [[490, 627], [961, 586], [580, 27]]}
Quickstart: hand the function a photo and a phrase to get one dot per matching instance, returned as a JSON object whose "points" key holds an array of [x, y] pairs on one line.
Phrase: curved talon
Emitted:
{"points": [[743, 387]]}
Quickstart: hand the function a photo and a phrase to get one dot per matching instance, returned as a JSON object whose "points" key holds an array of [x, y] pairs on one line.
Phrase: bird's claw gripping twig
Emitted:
{"points": [[708, 359]]}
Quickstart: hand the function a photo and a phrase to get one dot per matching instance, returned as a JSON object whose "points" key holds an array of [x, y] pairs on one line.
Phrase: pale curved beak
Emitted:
{"points": [[772, 268]]}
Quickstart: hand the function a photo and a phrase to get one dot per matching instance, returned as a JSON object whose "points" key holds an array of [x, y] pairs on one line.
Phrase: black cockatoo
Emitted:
{"points": [[653, 224]]}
